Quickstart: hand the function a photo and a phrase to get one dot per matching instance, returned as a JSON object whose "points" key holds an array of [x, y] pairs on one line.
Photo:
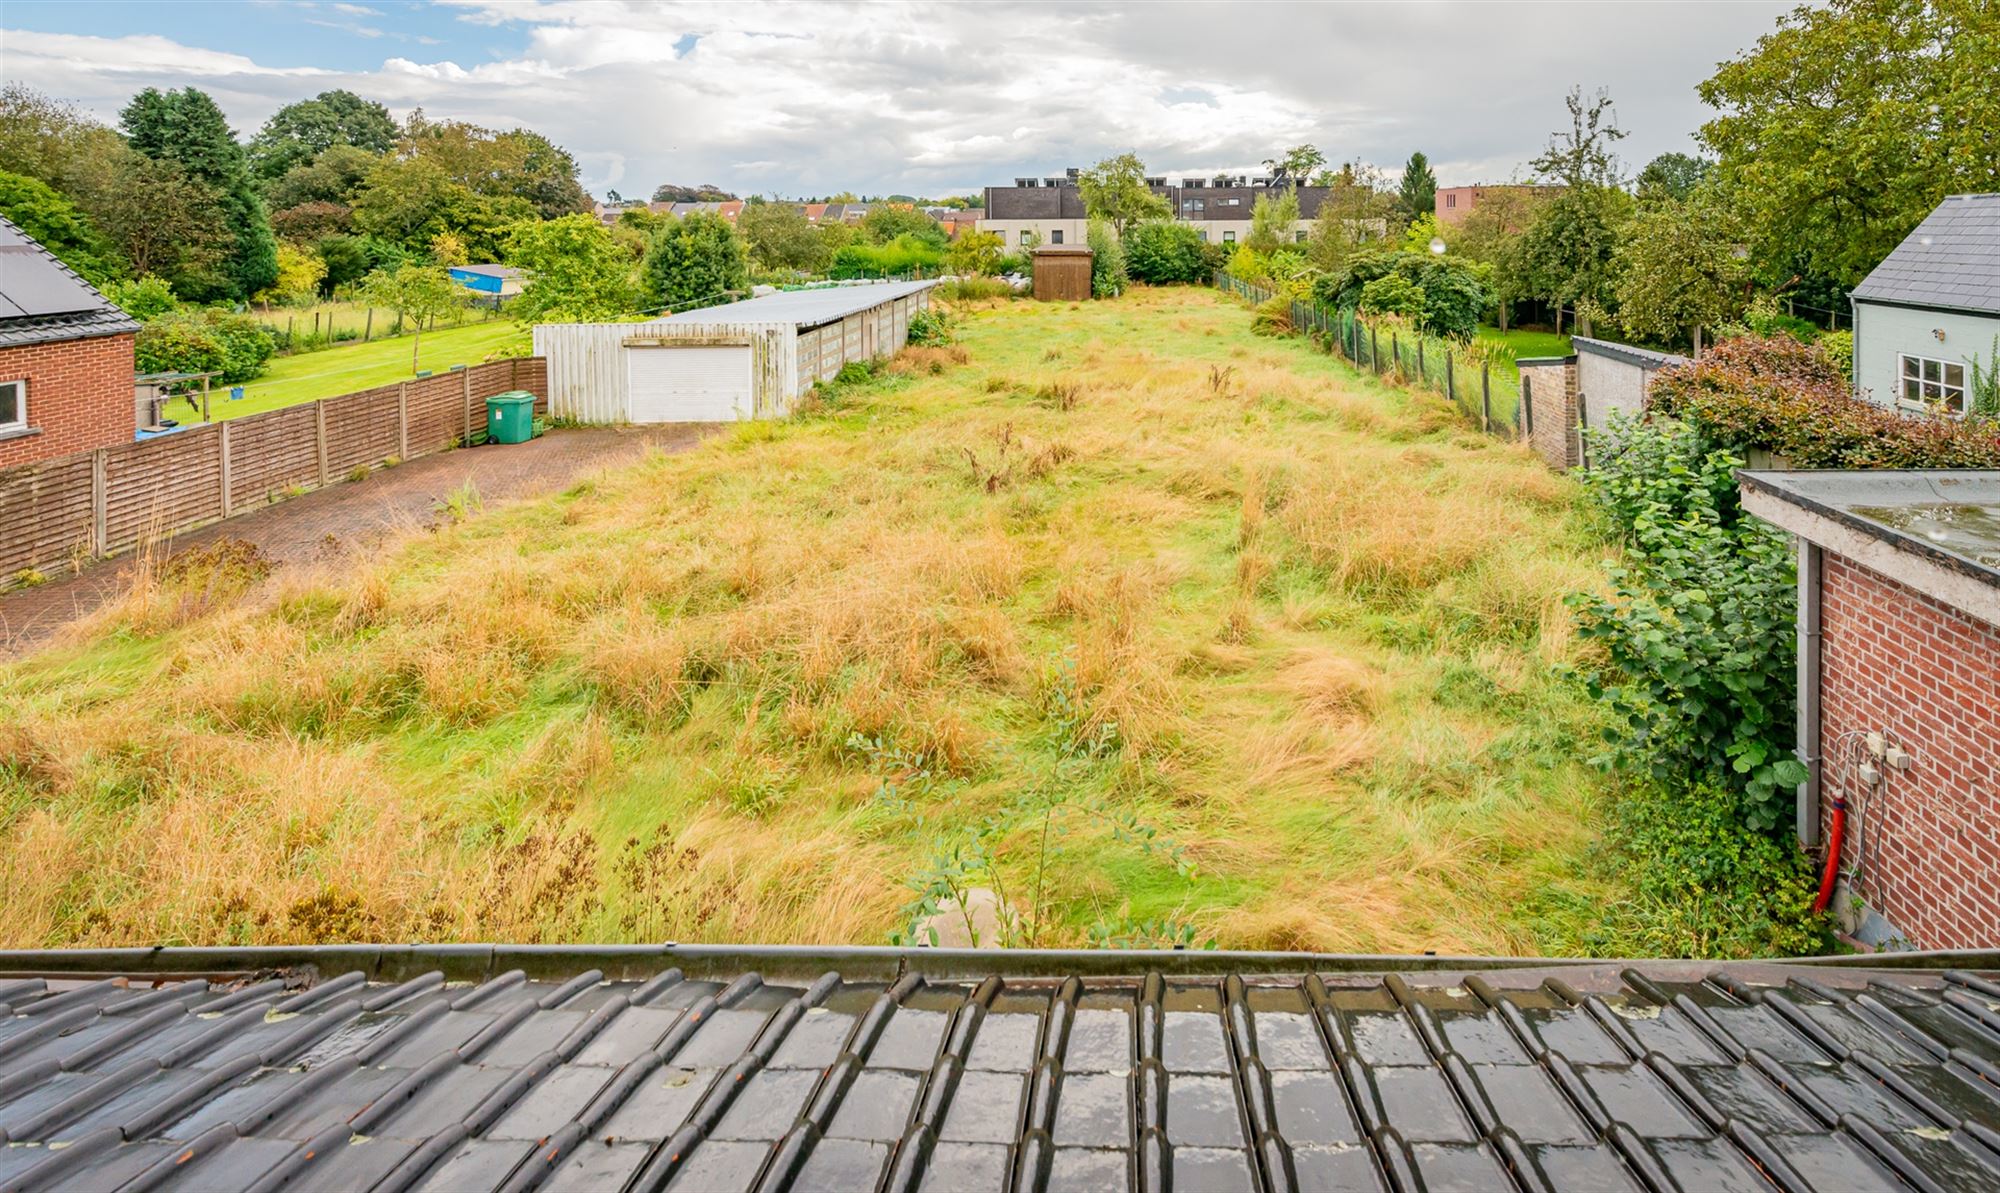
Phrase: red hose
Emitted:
{"points": [[1835, 831]]}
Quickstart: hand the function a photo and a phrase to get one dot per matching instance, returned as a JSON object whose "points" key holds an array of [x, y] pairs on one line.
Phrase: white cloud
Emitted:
{"points": [[929, 98]]}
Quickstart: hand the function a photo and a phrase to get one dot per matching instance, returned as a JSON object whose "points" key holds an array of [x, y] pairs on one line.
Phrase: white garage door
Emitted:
{"points": [[689, 385]]}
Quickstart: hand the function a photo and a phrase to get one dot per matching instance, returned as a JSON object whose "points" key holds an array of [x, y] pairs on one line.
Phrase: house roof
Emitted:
{"points": [[481, 1067], [805, 308], [1950, 262], [490, 271], [43, 300]]}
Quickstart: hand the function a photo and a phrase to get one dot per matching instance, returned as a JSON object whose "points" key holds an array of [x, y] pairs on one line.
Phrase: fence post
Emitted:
{"points": [[1527, 400], [1396, 353], [290, 320], [465, 400], [319, 433], [1450, 378], [1582, 425], [368, 328], [1375, 350], [226, 485], [1486, 397], [100, 490], [403, 420], [1421, 379]]}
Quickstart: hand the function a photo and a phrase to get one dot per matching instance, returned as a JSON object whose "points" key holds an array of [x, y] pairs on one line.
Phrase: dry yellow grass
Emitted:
{"points": [[1302, 624]]}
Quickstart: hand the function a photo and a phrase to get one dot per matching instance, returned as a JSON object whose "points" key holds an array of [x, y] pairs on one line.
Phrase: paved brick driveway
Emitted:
{"points": [[357, 513]]}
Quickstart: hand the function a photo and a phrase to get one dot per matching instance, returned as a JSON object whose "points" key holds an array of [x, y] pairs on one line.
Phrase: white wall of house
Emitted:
{"points": [[1073, 231], [1884, 334]]}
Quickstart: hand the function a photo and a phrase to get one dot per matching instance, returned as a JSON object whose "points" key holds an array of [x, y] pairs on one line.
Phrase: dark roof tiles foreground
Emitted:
{"points": [[1789, 1077], [1950, 261]]}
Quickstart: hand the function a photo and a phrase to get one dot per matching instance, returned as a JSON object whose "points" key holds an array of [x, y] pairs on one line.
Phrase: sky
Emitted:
{"points": [[919, 98]]}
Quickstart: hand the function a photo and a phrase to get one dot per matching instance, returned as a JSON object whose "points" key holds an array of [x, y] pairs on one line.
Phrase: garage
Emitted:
{"points": [[719, 364], [691, 384]]}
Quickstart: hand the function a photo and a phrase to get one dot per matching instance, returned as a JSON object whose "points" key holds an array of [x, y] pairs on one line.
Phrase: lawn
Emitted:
{"points": [[330, 372], [1159, 629], [1522, 345]]}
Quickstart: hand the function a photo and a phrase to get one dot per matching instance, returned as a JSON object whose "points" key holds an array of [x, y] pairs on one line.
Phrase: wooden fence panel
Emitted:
{"points": [[45, 514], [272, 454], [437, 413], [361, 429], [157, 487]]}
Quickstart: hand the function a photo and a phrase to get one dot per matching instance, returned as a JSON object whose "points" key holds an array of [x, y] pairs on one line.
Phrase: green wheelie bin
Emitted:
{"points": [[510, 417]]}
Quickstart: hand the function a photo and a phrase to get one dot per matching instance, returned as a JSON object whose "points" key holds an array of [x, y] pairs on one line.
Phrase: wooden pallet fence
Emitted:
{"points": [[57, 514]]}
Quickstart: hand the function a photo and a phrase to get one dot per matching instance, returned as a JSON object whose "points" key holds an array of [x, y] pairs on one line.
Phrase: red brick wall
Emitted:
{"points": [[1927, 675], [79, 396]]}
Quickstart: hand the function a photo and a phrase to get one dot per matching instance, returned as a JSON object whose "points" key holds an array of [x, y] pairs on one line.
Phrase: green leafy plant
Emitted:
{"points": [[1697, 634], [1165, 252], [930, 329]]}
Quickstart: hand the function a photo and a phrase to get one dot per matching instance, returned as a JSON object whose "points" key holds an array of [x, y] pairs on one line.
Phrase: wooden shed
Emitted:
{"points": [[719, 364], [1062, 273]]}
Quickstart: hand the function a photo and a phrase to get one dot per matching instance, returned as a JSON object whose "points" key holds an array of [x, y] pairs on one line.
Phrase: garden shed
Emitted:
{"points": [[1062, 273], [745, 360]]}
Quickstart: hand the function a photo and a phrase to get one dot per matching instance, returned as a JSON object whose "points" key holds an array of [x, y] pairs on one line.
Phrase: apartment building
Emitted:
{"points": [[1454, 203], [1049, 210]]}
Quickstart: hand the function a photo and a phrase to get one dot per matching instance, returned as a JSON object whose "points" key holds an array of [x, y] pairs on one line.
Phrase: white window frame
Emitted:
{"points": [[1229, 236], [1924, 383], [20, 421]]}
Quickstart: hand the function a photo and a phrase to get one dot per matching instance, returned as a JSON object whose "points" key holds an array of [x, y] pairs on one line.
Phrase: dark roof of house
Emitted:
{"points": [[42, 299], [1950, 262], [479, 1067]]}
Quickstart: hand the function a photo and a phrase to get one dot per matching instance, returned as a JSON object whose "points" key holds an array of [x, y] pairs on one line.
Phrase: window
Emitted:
{"points": [[1055, 236], [1233, 202], [1451, 200], [13, 406], [1203, 233], [1229, 238], [1298, 236], [1927, 384]]}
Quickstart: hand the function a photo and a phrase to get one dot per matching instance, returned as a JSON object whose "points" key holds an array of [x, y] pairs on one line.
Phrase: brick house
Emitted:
{"points": [[1899, 693], [65, 358]]}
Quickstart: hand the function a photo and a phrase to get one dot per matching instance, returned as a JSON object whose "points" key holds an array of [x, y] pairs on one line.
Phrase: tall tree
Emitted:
{"points": [[1115, 190], [886, 221], [780, 236], [1671, 176], [1272, 221], [1295, 166], [693, 262], [1417, 195], [47, 215], [514, 164], [1580, 156], [298, 133], [335, 176], [577, 271], [186, 127], [1352, 213], [162, 220], [1679, 271], [1840, 130]]}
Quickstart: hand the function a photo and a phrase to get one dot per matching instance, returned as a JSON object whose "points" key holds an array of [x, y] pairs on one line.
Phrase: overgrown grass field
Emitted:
{"points": [[1164, 630]]}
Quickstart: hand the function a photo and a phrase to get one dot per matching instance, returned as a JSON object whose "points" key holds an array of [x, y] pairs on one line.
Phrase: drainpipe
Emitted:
{"points": [[1811, 566]]}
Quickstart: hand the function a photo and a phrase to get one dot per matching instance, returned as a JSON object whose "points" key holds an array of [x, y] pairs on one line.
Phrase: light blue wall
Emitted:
{"points": [[1884, 333]]}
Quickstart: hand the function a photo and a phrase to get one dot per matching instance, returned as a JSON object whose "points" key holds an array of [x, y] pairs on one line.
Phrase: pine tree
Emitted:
{"points": [[1418, 195], [187, 128]]}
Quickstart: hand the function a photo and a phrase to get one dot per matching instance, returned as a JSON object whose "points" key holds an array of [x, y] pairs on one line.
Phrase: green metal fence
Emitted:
{"points": [[1489, 397]]}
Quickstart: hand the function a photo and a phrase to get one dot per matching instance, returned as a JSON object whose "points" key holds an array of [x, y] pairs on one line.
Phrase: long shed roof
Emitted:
{"points": [[1951, 261], [804, 308], [648, 1067]]}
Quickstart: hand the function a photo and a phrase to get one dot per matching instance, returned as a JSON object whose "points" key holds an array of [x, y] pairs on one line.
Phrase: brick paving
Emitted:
{"points": [[305, 528]]}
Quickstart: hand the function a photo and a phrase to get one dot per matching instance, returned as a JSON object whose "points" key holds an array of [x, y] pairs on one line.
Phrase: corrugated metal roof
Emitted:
{"points": [[803, 308], [1665, 1076], [43, 300], [1951, 260]]}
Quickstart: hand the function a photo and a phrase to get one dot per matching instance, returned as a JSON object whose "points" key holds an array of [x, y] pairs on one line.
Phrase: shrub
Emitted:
{"points": [[1836, 348], [1778, 394], [930, 329], [1273, 317], [974, 289], [1108, 278], [1455, 292], [143, 298], [1393, 294], [1164, 252], [902, 256], [1697, 634], [693, 262], [204, 340], [1703, 884]]}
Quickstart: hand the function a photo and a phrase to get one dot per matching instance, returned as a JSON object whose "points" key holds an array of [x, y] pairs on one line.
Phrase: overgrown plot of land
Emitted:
{"points": [[1158, 629]]}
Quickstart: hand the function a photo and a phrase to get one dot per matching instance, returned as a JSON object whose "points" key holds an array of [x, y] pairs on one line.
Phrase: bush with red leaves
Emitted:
{"points": [[1780, 395]]}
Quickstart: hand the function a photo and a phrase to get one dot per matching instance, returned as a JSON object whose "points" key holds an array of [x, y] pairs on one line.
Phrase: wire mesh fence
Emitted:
{"points": [[1488, 393]]}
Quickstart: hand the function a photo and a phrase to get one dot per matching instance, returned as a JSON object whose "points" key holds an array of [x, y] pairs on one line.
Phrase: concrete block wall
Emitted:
{"points": [[1898, 662], [79, 397], [1550, 391]]}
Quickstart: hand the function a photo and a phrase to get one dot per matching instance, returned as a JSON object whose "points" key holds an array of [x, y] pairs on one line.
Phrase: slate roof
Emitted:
{"points": [[358, 1068], [43, 300], [1951, 261]]}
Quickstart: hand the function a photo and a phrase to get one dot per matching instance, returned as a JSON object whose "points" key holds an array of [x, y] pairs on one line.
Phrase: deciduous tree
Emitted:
{"points": [[299, 132], [1679, 270], [1839, 131], [577, 271], [694, 261], [779, 236], [48, 216], [1115, 190], [886, 221], [417, 293], [974, 253]]}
